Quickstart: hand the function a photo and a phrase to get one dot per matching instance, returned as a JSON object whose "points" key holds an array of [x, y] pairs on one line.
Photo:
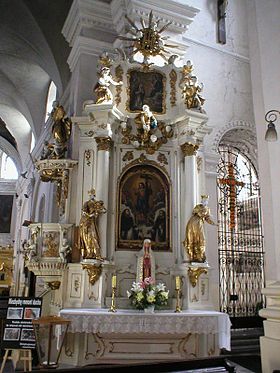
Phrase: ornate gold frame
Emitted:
{"points": [[134, 244], [163, 89]]}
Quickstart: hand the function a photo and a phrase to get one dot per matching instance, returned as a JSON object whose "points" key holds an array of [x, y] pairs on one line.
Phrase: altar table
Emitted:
{"points": [[99, 335]]}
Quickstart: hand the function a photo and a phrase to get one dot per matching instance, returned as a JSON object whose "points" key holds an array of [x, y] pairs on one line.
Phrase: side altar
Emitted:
{"points": [[137, 175]]}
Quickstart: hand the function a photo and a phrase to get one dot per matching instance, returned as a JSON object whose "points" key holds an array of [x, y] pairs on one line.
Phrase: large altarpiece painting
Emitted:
{"points": [[143, 208]]}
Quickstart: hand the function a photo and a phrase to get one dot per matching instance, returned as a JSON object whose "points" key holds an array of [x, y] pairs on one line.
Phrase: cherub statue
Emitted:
{"points": [[101, 89], [195, 238], [146, 122], [31, 250], [65, 250], [89, 235]]}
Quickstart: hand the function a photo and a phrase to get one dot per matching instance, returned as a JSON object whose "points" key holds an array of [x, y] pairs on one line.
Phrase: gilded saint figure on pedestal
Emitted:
{"points": [[61, 132], [101, 89], [194, 242], [89, 235]]}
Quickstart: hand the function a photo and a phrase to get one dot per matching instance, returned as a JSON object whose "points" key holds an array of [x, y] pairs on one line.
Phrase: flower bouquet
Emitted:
{"points": [[146, 293]]}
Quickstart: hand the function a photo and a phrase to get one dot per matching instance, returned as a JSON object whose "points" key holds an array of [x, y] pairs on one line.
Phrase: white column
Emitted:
{"points": [[104, 145], [188, 187], [270, 343]]}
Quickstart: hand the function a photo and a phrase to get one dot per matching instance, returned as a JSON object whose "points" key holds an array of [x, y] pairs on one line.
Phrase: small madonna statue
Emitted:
{"points": [[145, 262], [146, 124]]}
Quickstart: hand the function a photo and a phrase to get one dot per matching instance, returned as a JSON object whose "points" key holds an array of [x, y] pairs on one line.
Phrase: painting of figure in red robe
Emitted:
{"points": [[143, 208]]}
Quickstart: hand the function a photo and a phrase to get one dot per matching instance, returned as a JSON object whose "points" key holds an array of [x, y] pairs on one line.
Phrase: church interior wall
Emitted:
{"points": [[239, 86], [263, 26]]}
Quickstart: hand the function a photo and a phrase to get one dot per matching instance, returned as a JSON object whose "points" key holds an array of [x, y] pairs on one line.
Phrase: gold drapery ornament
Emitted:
{"points": [[173, 80], [189, 149], [94, 272], [195, 273], [104, 143], [119, 78]]}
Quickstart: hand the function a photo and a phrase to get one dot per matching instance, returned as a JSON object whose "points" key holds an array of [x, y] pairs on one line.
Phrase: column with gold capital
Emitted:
{"points": [[104, 145], [188, 186]]}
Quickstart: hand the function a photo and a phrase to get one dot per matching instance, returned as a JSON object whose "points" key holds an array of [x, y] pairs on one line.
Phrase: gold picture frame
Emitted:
{"points": [[146, 88], [143, 208]]}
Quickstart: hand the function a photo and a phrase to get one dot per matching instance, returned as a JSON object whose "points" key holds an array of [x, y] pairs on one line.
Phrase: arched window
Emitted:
{"points": [[240, 235], [8, 168], [50, 99], [32, 144]]}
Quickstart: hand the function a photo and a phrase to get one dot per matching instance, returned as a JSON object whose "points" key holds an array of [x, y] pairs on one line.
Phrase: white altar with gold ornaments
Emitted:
{"points": [[136, 172], [127, 335]]}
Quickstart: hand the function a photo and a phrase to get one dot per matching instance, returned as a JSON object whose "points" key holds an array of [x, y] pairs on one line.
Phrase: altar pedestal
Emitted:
{"points": [[98, 336]]}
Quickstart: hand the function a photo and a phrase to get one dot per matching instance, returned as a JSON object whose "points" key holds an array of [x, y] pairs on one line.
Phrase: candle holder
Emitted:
{"points": [[114, 288], [178, 294]]}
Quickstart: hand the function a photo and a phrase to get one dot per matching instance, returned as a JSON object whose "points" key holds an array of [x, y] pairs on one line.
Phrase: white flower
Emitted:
{"points": [[136, 287], [128, 294], [151, 293], [161, 287]]}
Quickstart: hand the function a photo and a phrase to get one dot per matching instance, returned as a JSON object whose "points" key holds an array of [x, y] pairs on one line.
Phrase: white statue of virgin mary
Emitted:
{"points": [[145, 262]]}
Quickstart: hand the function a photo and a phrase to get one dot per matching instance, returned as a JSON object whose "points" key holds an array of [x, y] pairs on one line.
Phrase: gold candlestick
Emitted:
{"points": [[114, 288], [178, 293]]}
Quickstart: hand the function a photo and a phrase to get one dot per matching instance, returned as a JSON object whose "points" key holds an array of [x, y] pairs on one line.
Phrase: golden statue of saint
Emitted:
{"points": [[195, 238], [89, 237], [101, 89]]}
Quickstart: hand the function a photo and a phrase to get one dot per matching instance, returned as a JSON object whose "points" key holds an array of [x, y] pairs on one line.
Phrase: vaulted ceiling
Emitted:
{"points": [[33, 53]]}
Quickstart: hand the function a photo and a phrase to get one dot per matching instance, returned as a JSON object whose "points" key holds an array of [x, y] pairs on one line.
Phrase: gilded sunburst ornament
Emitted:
{"points": [[148, 39]]}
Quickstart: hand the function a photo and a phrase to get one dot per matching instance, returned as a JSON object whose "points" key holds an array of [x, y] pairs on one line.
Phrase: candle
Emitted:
{"points": [[114, 281], [178, 283]]}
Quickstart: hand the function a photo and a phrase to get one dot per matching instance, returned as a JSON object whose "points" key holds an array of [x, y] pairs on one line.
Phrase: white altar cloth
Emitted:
{"points": [[159, 322]]}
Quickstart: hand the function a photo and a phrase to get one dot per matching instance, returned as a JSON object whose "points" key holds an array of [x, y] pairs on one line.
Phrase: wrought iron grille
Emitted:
{"points": [[240, 238]]}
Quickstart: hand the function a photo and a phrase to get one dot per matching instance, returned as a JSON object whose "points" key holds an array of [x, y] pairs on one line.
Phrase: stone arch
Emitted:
{"points": [[239, 134], [11, 152]]}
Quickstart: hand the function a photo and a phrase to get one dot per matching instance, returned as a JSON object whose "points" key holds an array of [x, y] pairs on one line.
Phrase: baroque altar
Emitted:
{"points": [[137, 174]]}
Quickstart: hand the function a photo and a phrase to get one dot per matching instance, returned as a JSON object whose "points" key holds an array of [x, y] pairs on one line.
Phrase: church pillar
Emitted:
{"points": [[104, 145], [212, 248], [188, 186]]}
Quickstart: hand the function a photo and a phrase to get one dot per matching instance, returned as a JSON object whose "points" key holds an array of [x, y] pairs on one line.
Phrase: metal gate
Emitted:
{"points": [[240, 236]]}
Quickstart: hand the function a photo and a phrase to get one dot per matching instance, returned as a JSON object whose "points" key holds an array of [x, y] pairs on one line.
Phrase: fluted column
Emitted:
{"points": [[104, 145], [188, 186]]}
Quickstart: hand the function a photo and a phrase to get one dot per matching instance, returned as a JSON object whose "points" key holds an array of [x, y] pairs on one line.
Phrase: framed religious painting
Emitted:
{"points": [[143, 208], [6, 207], [146, 88]]}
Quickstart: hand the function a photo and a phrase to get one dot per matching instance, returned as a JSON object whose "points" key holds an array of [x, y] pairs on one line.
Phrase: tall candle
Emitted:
{"points": [[178, 283], [114, 281]]}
